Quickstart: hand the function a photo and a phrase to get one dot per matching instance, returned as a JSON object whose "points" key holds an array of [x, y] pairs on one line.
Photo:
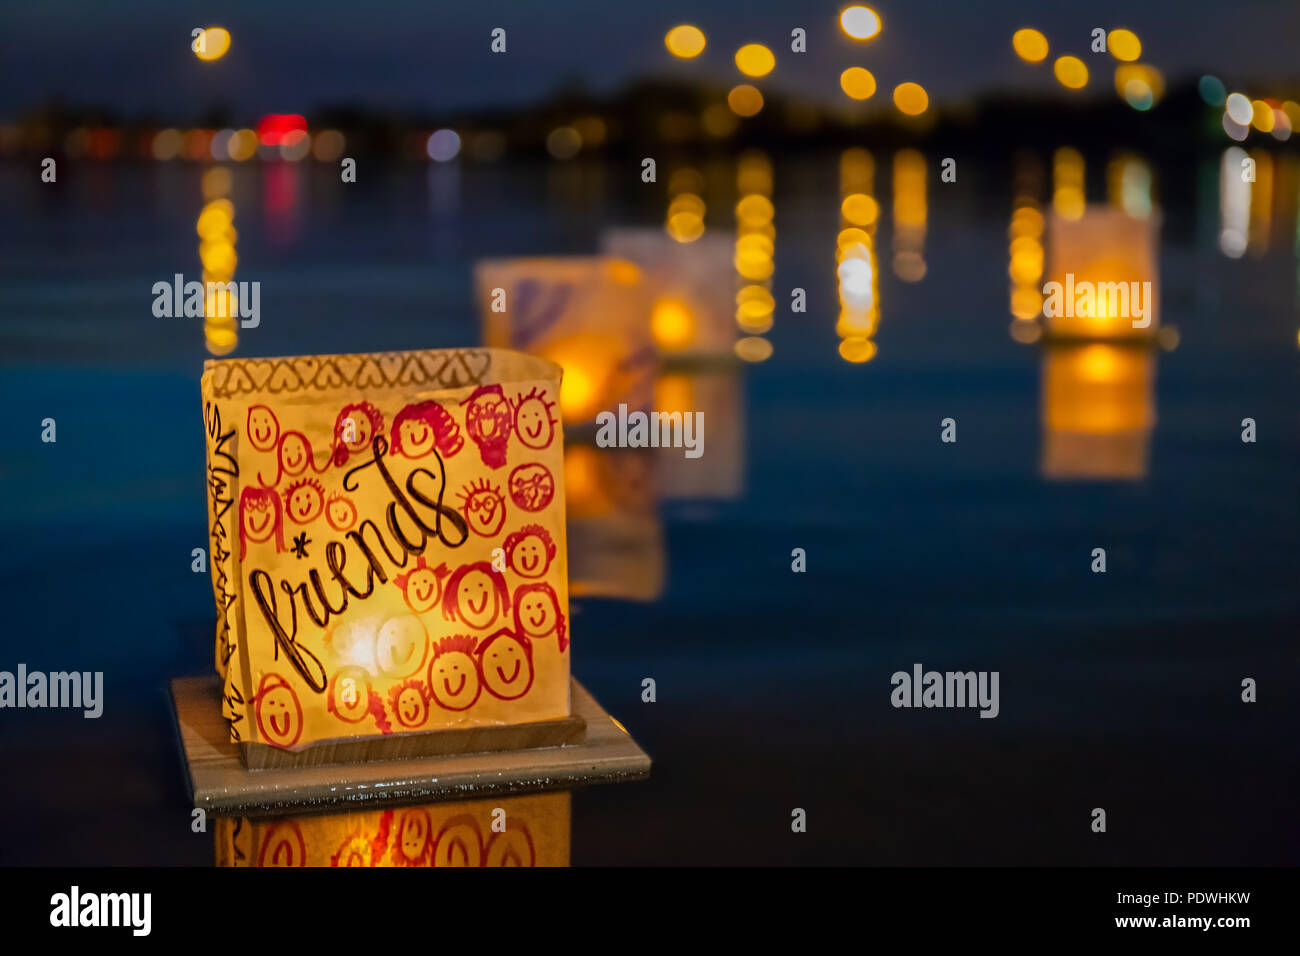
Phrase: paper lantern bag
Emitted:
{"points": [[387, 543]]}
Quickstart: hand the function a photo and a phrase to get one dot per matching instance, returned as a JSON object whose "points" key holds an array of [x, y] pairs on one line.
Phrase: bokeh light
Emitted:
{"points": [[745, 100], [444, 145], [1212, 90], [563, 142], [861, 23], [858, 83], [911, 98], [213, 43], [1239, 108], [1030, 45], [685, 41], [1071, 72], [1124, 45], [754, 59]]}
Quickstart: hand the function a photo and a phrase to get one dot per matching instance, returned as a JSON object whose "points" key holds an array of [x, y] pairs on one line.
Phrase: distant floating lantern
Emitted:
{"points": [[1102, 278], [745, 100]]}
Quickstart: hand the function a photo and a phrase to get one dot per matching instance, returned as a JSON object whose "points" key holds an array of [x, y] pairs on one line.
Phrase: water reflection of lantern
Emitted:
{"points": [[589, 314], [910, 213], [1026, 257], [616, 547], [690, 310], [1102, 277], [1098, 410], [715, 394], [855, 258], [534, 831], [755, 245], [216, 230]]}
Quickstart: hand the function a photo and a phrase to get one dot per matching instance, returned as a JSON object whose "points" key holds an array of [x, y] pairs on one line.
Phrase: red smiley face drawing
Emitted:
{"points": [[534, 423], [283, 845], [531, 486], [506, 663], [279, 715], [484, 507], [340, 512], [304, 500], [263, 427]]}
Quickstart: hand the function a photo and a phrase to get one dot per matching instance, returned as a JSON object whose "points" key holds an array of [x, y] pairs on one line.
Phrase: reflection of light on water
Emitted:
{"points": [[1025, 235], [685, 218], [910, 212], [1068, 192], [1261, 203], [855, 257], [217, 237], [1128, 184], [755, 250], [1234, 203], [1098, 410]]}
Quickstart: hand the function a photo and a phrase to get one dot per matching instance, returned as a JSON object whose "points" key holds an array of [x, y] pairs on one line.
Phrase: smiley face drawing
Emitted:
{"points": [[349, 694], [534, 423], [453, 673], [260, 519], [529, 551], [489, 421], [409, 702], [476, 594], [413, 841], [459, 843], [484, 507], [422, 586], [263, 427], [421, 427], [279, 715], [340, 512], [401, 646], [531, 486], [513, 846], [506, 663], [283, 845], [304, 500], [357, 424], [537, 613], [295, 454]]}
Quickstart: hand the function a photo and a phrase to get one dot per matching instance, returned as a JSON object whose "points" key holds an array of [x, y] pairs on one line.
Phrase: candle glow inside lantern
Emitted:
{"points": [[588, 314], [388, 553], [1102, 279], [1098, 410], [691, 313]]}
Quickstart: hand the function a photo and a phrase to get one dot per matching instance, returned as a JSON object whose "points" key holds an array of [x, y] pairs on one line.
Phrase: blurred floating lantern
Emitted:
{"points": [[858, 83], [616, 543], [1102, 276], [745, 100], [860, 23], [911, 99], [1071, 72], [460, 833], [1098, 410], [589, 314], [754, 59], [1124, 45], [690, 309]]}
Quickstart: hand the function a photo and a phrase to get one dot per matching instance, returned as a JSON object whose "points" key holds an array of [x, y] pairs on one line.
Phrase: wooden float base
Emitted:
{"points": [[221, 784]]}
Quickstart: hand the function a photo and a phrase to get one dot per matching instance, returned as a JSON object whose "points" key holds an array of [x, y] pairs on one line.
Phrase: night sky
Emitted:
{"points": [[294, 56]]}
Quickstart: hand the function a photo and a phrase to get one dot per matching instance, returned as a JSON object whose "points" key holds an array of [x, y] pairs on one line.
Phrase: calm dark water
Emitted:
{"points": [[1119, 690]]}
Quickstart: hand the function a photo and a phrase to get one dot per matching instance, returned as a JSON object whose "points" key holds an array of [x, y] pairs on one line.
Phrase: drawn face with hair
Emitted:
{"points": [[529, 551], [488, 420], [534, 423], [409, 704], [453, 674], [485, 508], [340, 512], [305, 501]]}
